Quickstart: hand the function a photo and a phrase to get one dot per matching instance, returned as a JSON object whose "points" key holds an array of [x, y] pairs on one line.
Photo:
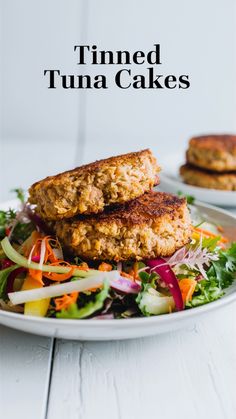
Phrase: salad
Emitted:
{"points": [[38, 277]]}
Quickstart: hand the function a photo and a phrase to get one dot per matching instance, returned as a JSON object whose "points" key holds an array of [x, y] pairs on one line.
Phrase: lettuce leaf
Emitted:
{"points": [[223, 271], [3, 279], [206, 291], [221, 275], [73, 312]]}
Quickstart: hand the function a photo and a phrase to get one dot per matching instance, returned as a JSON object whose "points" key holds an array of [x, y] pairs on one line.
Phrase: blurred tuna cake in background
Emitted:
{"points": [[211, 162]]}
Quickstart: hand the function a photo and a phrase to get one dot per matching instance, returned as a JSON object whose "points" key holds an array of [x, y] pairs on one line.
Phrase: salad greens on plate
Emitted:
{"points": [[38, 278]]}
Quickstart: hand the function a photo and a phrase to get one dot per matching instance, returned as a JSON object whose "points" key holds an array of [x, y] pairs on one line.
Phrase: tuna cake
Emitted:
{"points": [[213, 152], [205, 179], [155, 224], [90, 188]]}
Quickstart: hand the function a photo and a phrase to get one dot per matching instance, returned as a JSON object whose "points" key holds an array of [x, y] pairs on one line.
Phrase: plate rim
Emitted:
{"points": [[173, 181], [164, 176], [135, 321]]}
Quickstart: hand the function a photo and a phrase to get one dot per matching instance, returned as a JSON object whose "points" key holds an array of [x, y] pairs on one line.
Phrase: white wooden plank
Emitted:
{"points": [[188, 373], [24, 374]]}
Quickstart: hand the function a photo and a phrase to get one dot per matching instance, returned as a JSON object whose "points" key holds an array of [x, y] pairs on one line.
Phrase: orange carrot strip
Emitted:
{"points": [[83, 266], [105, 267], [135, 270], [50, 254], [30, 242], [187, 288], [59, 277], [37, 275], [210, 234], [125, 275], [66, 300]]}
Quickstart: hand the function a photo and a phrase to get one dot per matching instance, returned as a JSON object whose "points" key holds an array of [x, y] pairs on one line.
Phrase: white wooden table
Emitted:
{"points": [[185, 374]]}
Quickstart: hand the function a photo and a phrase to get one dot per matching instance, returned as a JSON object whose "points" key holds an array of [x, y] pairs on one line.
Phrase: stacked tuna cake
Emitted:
{"points": [[211, 162], [107, 210]]}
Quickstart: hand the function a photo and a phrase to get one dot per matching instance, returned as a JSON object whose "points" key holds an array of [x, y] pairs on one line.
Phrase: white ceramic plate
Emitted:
{"points": [[172, 182], [124, 328]]}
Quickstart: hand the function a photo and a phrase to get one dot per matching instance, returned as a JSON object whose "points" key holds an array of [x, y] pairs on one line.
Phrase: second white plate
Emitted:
{"points": [[172, 182]]}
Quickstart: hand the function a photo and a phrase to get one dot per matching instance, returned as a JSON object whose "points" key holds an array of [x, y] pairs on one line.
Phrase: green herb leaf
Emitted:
{"points": [[20, 194], [210, 243], [224, 269], [206, 291], [220, 275], [190, 199]]}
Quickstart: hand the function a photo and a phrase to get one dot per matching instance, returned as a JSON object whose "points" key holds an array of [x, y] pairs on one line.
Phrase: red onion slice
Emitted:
{"points": [[168, 277], [6, 263], [37, 221], [125, 285], [11, 278]]}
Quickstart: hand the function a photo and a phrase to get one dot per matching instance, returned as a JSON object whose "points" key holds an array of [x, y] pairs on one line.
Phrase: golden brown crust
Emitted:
{"points": [[213, 152], [90, 188], [96, 166], [218, 142], [156, 224], [139, 211], [206, 179]]}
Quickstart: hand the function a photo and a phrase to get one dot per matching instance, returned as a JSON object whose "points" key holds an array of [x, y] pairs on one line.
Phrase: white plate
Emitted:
{"points": [[172, 182], [124, 328]]}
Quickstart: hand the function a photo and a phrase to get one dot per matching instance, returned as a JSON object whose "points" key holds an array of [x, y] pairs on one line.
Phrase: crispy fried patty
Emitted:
{"points": [[155, 224], [205, 179], [89, 189], [213, 152]]}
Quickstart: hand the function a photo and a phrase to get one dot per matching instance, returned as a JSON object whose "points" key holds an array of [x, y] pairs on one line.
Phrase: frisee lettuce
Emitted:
{"points": [[220, 275], [10, 218], [206, 291], [223, 271]]}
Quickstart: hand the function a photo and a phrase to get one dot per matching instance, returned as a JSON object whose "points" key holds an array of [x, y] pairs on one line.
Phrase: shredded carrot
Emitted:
{"points": [[210, 234], [50, 258], [105, 267], [132, 273], [135, 270], [65, 301], [30, 242], [187, 288], [83, 266], [127, 275], [37, 275], [60, 277], [36, 243]]}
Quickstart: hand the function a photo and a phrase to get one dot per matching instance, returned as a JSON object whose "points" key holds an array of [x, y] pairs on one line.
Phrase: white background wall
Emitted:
{"points": [[46, 131]]}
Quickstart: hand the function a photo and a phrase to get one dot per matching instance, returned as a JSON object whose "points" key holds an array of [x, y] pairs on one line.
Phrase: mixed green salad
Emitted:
{"points": [[38, 278]]}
